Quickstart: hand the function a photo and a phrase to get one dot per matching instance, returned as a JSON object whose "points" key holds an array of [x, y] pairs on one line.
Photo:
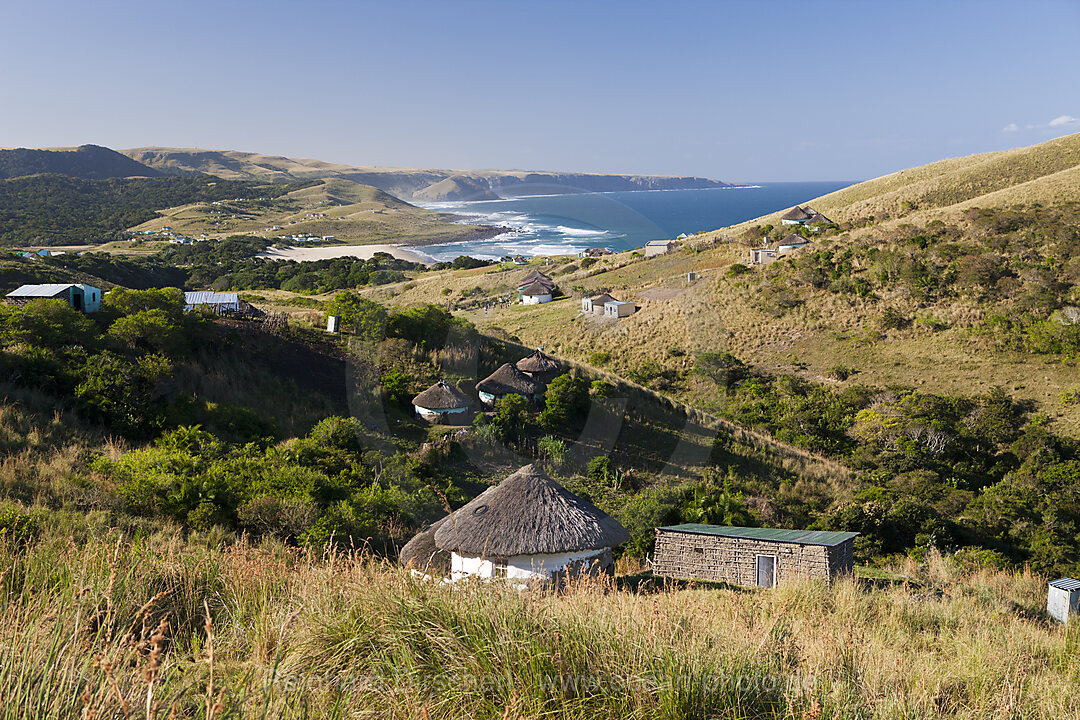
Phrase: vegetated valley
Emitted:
{"points": [[200, 515]]}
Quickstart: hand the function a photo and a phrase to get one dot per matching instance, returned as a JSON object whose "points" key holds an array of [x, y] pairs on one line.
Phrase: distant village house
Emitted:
{"points": [[659, 247], [508, 380], [441, 403], [619, 309], [85, 298], [220, 303], [540, 366]]}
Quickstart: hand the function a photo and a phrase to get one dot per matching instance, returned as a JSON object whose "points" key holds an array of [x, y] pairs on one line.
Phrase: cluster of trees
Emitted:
{"points": [[931, 469], [62, 210]]}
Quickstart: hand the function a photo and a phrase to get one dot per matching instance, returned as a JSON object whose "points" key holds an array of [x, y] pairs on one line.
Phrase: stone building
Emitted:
{"points": [[751, 556]]}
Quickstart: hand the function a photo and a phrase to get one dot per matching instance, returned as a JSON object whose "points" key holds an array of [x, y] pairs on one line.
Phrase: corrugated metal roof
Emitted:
{"points": [[39, 290], [1065, 584], [210, 298], [802, 537]]}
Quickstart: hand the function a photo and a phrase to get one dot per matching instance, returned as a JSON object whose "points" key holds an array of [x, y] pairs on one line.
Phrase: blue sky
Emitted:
{"points": [[739, 91]]}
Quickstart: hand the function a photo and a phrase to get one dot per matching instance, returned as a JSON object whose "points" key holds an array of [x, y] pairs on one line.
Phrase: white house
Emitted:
{"points": [[595, 304], [619, 309], [791, 242], [659, 247], [526, 529], [797, 215]]}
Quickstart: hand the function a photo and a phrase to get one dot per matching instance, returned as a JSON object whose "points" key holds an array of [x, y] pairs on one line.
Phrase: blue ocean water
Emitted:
{"points": [[565, 224]]}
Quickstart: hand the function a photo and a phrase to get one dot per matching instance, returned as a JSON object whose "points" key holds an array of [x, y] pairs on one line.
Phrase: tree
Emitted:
{"points": [[511, 415], [366, 318], [566, 400]]}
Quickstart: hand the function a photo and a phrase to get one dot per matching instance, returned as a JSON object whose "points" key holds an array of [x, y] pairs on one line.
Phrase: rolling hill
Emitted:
{"points": [[350, 212], [91, 162], [426, 184]]}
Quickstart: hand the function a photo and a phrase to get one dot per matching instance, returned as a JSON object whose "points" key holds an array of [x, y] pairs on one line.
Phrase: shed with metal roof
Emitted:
{"points": [[1063, 598], [86, 298], [751, 556], [214, 301]]}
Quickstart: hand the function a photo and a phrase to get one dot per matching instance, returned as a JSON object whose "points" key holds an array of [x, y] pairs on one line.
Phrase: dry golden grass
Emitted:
{"points": [[119, 628]]}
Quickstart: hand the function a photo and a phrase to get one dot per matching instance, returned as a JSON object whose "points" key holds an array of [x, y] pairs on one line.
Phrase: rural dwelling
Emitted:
{"points": [[536, 277], [508, 380], [797, 215], [535, 294], [1063, 599], [763, 256], [528, 528], [818, 222], [619, 309], [791, 242], [85, 298], [219, 303], [594, 252], [751, 556], [540, 366], [595, 304], [659, 247], [441, 403]]}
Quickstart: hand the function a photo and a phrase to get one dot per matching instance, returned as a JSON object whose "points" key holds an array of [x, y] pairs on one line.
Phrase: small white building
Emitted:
{"points": [[526, 529], [508, 380], [619, 309], [442, 402], [535, 293], [1063, 599], [797, 215], [659, 247], [790, 243]]}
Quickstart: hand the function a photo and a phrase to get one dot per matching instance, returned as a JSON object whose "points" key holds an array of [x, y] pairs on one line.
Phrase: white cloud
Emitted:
{"points": [[1063, 121], [1011, 127]]}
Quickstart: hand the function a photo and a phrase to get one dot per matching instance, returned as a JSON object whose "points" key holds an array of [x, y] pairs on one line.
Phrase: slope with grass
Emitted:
{"points": [[352, 213]]}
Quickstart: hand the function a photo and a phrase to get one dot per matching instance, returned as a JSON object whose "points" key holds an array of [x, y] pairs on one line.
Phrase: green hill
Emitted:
{"points": [[92, 162]]}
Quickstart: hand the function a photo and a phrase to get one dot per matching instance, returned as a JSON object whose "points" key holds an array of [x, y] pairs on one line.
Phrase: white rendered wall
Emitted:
{"points": [[520, 567]]}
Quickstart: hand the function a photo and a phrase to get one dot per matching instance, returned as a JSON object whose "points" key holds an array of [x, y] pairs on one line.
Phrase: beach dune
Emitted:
{"points": [[309, 254]]}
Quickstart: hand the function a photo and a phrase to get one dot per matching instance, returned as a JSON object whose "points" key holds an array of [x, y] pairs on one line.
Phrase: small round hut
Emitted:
{"points": [[508, 380], [441, 402], [528, 527], [535, 293], [539, 366]]}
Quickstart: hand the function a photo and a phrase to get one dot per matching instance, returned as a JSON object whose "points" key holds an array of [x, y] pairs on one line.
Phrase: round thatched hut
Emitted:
{"points": [[441, 402], [535, 293], [508, 380], [539, 366], [422, 555], [528, 527]]}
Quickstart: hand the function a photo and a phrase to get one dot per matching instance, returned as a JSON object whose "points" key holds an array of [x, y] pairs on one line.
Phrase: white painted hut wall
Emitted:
{"points": [[429, 413], [520, 567], [535, 299]]}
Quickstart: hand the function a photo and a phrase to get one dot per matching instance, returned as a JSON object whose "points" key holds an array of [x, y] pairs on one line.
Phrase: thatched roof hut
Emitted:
{"points": [[536, 277], [528, 514], [508, 380], [421, 554], [797, 214], [441, 396], [538, 362]]}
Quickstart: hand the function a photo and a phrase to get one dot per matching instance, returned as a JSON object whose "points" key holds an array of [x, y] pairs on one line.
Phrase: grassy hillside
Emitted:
{"points": [[352, 213], [1047, 173], [91, 162], [401, 182]]}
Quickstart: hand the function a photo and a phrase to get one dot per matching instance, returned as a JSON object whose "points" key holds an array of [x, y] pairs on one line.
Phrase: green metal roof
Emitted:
{"points": [[803, 537]]}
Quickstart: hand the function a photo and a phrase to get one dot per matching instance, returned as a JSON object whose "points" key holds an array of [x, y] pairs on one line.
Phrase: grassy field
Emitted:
{"points": [[94, 623], [355, 214]]}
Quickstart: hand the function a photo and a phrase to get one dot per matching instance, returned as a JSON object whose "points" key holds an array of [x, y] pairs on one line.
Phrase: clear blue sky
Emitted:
{"points": [[740, 91]]}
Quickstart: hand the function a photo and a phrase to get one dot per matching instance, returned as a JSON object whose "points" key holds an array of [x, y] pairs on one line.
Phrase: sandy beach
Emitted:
{"points": [[308, 254]]}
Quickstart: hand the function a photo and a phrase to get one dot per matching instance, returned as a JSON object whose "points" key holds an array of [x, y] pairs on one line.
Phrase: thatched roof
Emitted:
{"points": [[601, 299], [421, 554], [794, 239], [536, 277], [441, 396], [507, 380], [796, 213], [528, 513], [536, 288], [818, 218], [538, 362]]}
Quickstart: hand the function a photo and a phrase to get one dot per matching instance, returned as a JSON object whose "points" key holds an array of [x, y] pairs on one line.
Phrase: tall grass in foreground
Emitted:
{"points": [[163, 627]]}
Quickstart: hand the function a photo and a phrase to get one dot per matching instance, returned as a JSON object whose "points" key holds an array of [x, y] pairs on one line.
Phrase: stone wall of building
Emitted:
{"points": [[734, 560]]}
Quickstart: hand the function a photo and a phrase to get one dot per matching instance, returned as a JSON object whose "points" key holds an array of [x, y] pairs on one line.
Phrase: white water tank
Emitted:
{"points": [[1063, 599]]}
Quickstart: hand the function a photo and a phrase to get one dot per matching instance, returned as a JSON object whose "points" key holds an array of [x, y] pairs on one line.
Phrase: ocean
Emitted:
{"points": [[566, 224]]}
